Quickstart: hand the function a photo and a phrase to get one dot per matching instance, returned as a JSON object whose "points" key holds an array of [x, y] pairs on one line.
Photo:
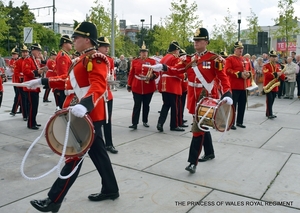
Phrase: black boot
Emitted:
{"points": [[45, 205]]}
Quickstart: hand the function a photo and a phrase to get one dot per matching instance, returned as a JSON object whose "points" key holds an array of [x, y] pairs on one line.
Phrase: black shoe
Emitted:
{"points": [[183, 125], [112, 149], [291, 98], [13, 114], [158, 111], [159, 127], [38, 125], [272, 116], [45, 205], [286, 97], [19, 112], [46, 101], [184, 121], [279, 97], [25, 119], [133, 126], [241, 125], [233, 127], [177, 129], [206, 158], [191, 168], [146, 125], [100, 197], [33, 127]]}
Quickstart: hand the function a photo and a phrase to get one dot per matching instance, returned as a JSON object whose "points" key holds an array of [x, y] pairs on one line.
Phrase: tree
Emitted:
{"points": [[288, 25], [180, 25], [4, 32], [229, 31], [253, 27], [217, 44]]}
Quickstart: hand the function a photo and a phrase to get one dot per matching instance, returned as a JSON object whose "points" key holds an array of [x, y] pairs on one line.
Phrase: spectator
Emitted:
{"points": [[259, 73], [2, 62], [122, 66], [290, 78], [298, 76], [293, 55]]}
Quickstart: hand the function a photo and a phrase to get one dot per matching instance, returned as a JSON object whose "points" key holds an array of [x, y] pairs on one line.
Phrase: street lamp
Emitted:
{"points": [[239, 25], [142, 33]]}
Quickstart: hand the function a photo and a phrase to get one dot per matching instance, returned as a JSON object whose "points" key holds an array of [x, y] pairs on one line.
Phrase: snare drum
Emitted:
{"points": [[81, 133], [213, 113]]}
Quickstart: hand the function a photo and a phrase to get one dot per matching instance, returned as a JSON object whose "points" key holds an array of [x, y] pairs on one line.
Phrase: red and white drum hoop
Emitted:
{"points": [[213, 113], [81, 133]]}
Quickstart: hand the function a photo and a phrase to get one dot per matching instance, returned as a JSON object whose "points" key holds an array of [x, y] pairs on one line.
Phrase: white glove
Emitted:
{"points": [[33, 84], [79, 110], [228, 100], [156, 67]]}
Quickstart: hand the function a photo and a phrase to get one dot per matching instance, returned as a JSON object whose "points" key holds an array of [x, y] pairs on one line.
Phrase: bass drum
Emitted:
{"points": [[214, 113], [81, 133]]}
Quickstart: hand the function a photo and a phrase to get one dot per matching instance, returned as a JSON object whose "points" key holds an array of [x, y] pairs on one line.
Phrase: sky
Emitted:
{"points": [[210, 11]]}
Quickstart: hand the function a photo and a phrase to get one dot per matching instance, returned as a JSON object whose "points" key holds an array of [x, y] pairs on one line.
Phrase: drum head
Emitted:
{"points": [[81, 133], [224, 116]]}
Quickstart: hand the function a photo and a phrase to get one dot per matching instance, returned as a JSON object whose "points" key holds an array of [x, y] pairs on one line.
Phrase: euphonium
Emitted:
{"points": [[149, 75]]}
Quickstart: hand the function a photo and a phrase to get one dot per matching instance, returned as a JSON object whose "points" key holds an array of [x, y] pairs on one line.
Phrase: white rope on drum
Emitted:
{"points": [[58, 166]]}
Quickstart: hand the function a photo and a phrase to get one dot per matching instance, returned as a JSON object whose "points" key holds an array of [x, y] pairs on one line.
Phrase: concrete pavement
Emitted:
{"points": [[255, 169]]}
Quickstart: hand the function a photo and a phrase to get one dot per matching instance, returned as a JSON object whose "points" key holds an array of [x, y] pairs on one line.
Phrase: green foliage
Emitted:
{"points": [[180, 25], [288, 25], [253, 27]]}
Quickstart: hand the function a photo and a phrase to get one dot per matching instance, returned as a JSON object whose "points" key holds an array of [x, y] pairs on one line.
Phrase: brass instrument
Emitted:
{"points": [[149, 75], [274, 83]]}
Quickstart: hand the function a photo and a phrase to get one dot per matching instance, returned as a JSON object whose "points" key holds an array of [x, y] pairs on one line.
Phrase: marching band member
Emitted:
{"points": [[203, 68], [87, 83], [15, 79], [19, 78], [32, 69], [103, 47], [170, 88], [63, 62], [51, 64], [271, 75], [142, 85], [239, 72]]}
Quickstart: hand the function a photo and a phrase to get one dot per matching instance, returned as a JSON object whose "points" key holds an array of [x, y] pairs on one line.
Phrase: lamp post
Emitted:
{"points": [[142, 31], [239, 25]]}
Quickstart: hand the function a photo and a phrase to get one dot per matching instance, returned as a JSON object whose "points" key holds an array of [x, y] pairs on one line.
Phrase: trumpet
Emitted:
{"points": [[149, 75]]}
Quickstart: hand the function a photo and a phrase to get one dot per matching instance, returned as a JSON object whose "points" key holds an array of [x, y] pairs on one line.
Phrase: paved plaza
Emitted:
{"points": [[255, 170]]}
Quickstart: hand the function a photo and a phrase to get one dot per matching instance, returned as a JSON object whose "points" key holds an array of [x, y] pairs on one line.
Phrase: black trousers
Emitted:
{"points": [[46, 94], [107, 126], [23, 102], [181, 107], [298, 86], [1, 97], [17, 100], [270, 98], [196, 147], [140, 99], [61, 97], [239, 98], [102, 163], [33, 104], [170, 101]]}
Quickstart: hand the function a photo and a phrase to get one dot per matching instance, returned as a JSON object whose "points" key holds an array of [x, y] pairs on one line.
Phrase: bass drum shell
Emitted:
{"points": [[81, 133]]}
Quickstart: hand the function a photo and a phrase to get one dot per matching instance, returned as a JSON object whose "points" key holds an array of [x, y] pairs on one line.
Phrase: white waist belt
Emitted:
{"points": [[69, 92], [140, 78], [198, 85]]}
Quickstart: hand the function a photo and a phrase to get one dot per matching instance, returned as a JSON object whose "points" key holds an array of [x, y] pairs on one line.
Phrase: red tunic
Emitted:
{"points": [[136, 70], [170, 83], [233, 66], [63, 62], [30, 68], [96, 79], [269, 71], [51, 68], [18, 73], [210, 68], [11, 64]]}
